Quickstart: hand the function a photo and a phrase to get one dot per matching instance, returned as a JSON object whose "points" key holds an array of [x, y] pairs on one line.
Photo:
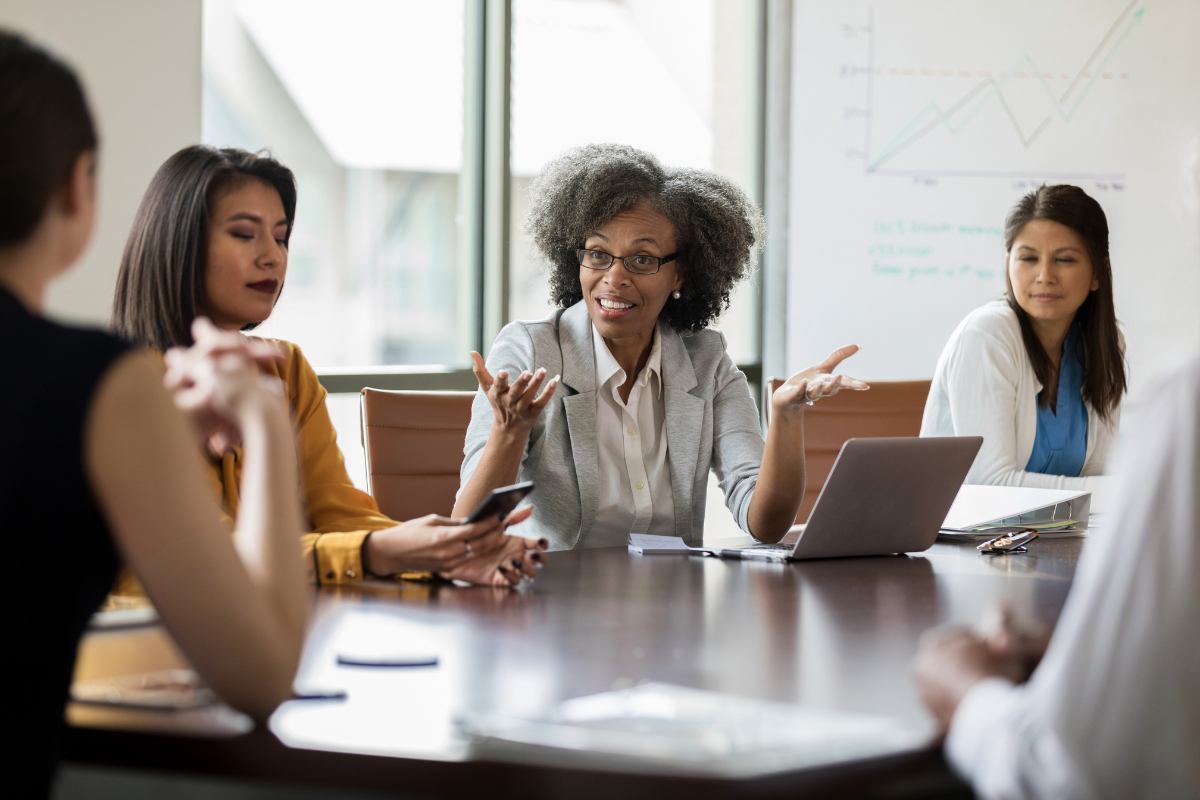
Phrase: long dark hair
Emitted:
{"points": [[45, 125], [1103, 362], [161, 284]]}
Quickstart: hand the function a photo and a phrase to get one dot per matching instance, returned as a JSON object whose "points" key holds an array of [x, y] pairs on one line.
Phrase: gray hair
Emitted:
{"points": [[717, 227]]}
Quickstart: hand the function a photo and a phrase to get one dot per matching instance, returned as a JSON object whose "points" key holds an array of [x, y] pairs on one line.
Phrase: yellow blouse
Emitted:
{"points": [[339, 515]]}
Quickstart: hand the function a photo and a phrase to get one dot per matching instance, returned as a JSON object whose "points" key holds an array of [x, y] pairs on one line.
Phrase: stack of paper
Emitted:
{"points": [[986, 511], [647, 544]]}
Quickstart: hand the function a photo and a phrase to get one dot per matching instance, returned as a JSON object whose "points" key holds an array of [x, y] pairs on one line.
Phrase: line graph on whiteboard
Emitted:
{"points": [[1026, 115]]}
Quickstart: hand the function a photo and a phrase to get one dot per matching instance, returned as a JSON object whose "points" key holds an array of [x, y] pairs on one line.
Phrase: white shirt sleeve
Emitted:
{"points": [[1005, 750], [982, 373], [1114, 708]]}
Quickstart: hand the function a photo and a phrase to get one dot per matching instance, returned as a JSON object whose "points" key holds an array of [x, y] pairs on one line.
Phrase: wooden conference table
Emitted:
{"points": [[836, 634]]}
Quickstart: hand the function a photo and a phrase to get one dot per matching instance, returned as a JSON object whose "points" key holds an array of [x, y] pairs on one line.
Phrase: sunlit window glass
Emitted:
{"points": [[678, 78], [363, 99]]}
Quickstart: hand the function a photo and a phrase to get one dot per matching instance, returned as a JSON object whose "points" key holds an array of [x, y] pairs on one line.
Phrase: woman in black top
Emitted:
{"points": [[94, 456]]}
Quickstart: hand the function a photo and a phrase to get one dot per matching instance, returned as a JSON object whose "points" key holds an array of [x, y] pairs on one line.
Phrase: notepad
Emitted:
{"points": [[991, 510], [646, 544]]}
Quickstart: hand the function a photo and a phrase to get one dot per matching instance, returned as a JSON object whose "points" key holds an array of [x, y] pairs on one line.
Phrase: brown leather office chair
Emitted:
{"points": [[890, 408], [414, 449]]}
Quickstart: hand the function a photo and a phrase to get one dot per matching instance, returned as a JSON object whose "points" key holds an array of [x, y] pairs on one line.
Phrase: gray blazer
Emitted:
{"points": [[711, 423]]}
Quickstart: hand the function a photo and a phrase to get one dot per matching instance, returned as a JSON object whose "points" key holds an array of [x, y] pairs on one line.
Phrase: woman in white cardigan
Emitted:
{"points": [[1039, 375]]}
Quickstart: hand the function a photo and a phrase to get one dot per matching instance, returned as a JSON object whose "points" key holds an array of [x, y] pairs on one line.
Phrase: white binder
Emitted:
{"points": [[986, 510]]}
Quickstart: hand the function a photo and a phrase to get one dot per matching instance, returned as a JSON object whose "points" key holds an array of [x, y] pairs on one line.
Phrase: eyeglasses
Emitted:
{"points": [[639, 265]]}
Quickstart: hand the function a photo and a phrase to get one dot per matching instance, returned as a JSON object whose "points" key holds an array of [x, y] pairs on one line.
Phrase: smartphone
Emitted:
{"points": [[501, 501]]}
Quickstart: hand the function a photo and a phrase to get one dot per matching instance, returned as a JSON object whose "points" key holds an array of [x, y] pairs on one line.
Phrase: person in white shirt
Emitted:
{"points": [[645, 399], [1040, 374], [1113, 709]]}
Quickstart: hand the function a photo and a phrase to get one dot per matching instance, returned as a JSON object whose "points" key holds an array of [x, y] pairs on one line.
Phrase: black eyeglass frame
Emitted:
{"points": [[613, 259]]}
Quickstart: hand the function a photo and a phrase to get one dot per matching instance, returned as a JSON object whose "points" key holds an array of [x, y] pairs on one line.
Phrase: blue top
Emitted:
{"points": [[1060, 447]]}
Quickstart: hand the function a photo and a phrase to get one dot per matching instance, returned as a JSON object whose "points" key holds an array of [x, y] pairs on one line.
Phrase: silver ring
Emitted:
{"points": [[808, 400], [470, 552]]}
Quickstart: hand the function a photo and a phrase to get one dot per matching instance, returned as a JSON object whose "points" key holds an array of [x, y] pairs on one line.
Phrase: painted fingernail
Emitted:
{"points": [[516, 563], [503, 570], [544, 542], [536, 556]]}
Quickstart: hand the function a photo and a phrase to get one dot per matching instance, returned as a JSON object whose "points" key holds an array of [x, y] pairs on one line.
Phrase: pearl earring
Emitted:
{"points": [[676, 294]]}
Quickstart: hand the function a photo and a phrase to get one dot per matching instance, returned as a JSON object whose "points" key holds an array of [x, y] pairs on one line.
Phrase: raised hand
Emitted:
{"points": [[518, 405], [215, 377], [807, 386]]}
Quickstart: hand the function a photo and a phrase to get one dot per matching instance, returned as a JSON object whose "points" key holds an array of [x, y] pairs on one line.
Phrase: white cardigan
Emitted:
{"points": [[984, 386]]}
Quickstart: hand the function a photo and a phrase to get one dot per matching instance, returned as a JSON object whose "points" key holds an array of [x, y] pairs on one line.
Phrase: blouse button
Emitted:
{"points": [[641, 486], [632, 431], [350, 573]]}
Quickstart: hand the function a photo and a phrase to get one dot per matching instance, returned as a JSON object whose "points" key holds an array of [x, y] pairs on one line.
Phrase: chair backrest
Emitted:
{"points": [[890, 408], [414, 449]]}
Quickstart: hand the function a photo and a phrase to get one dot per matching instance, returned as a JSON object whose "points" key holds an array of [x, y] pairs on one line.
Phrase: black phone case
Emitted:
{"points": [[501, 501]]}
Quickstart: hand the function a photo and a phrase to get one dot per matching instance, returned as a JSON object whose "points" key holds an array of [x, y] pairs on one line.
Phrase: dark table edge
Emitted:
{"points": [[260, 756]]}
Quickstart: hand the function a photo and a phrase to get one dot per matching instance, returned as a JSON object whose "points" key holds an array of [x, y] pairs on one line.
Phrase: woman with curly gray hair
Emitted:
{"points": [[645, 400]]}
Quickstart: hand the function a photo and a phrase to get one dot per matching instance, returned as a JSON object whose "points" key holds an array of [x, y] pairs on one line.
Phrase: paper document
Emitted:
{"points": [[646, 544], [980, 510], [162, 689], [663, 727]]}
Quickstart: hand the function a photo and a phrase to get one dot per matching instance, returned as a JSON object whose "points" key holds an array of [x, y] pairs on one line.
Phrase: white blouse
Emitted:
{"points": [[984, 385], [1113, 710], [635, 474]]}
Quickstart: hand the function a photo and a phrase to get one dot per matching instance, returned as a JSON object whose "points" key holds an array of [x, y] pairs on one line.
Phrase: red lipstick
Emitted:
{"points": [[268, 286]]}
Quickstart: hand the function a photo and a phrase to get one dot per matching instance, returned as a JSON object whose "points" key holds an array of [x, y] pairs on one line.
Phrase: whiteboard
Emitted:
{"points": [[917, 124]]}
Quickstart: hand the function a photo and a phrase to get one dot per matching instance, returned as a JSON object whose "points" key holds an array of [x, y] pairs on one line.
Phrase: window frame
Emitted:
{"points": [[486, 208]]}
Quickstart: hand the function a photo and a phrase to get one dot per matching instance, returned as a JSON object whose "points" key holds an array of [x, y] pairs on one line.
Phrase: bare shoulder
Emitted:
{"points": [[134, 381], [129, 403]]}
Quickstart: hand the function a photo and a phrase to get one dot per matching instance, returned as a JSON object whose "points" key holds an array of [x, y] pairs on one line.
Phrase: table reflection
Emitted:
{"points": [[835, 634], [826, 633]]}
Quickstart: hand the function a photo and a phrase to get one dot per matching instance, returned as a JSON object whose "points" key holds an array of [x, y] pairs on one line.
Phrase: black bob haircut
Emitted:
{"points": [[161, 284]]}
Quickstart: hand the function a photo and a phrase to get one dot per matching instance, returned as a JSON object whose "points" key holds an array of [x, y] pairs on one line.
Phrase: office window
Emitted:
{"points": [[369, 103], [363, 99], [678, 78]]}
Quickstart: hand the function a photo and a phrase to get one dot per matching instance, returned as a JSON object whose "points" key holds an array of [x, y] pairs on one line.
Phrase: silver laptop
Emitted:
{"points": [[882, 496]]}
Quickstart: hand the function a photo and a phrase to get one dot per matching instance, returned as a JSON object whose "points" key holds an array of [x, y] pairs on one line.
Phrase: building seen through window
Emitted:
{"points": [[653, 74], [371, 121]]}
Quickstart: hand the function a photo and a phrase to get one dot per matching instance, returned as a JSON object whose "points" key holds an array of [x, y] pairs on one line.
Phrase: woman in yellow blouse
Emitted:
{"points": [[210, 238]]}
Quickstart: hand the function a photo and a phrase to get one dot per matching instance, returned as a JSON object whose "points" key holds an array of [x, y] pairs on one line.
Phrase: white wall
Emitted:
{"points": [[140, 64], [913, 133]]}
